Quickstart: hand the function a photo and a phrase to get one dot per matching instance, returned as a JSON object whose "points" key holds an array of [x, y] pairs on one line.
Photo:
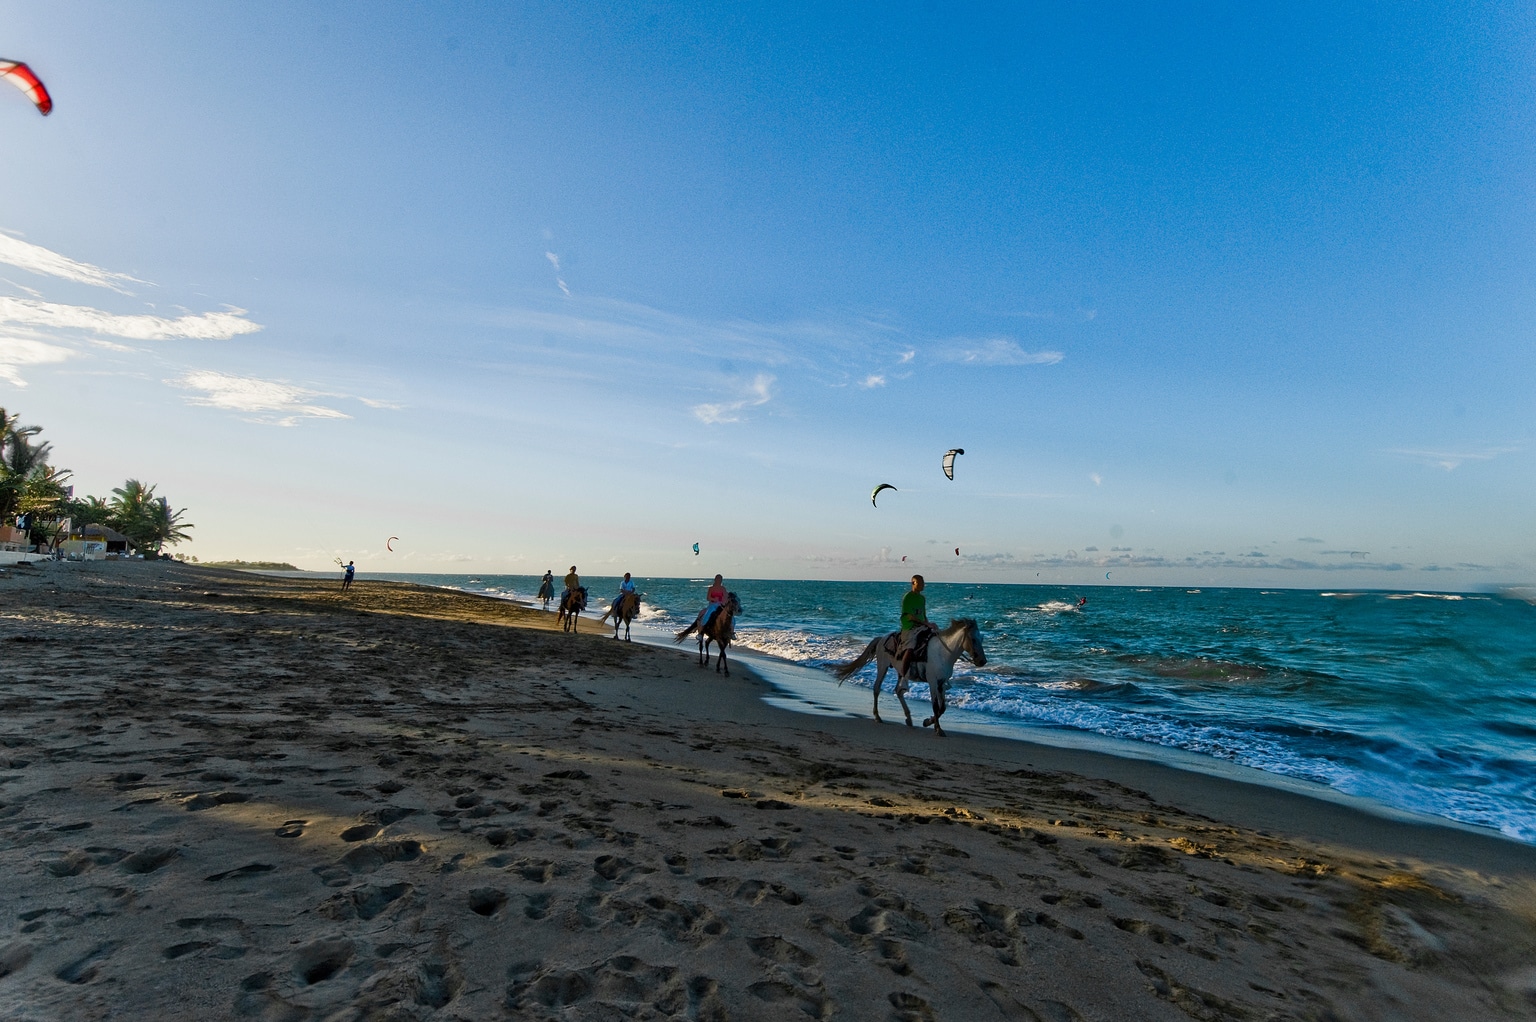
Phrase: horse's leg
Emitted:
{"points": [[901, 694], [937, 698], [879, 678]]}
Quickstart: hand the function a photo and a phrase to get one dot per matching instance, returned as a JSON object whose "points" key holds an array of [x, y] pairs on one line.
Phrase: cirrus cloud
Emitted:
{"points": [[207, 326], [36, 259], [269, 402], [995, 351], [16, 352]]}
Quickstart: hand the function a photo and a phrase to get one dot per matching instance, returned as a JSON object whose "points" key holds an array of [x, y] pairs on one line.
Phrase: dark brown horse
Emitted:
{"points": [[624, 610], [720, 630], [571, 605]]}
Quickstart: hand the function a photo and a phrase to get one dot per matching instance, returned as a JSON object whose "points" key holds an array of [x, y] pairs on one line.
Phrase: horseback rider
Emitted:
{"points": [[626, 588], [915, 626], [572, 580], [715, 598]]}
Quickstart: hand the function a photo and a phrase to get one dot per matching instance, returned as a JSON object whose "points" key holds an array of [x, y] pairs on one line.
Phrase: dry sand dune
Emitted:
{"points": [[236, 797]]}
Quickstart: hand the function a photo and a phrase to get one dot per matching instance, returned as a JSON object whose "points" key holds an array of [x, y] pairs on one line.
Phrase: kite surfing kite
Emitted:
{"points": [[21, 76], [695, 550], [957, 551], [949, 461], [389, 541], [882, 486]]}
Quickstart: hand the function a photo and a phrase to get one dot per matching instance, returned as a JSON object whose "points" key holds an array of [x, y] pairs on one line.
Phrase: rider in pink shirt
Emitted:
{"points": [[716, 598]]}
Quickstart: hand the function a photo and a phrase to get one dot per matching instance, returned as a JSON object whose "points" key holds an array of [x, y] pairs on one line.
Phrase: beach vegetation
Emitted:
{"points": [[36, 495]]}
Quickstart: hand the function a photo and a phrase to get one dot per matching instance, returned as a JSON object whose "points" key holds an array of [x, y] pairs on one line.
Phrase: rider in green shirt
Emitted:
{"points": [[914, 622]]}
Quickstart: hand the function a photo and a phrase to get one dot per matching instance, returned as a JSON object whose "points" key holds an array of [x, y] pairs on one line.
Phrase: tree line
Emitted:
{"points": [[35, 495]]}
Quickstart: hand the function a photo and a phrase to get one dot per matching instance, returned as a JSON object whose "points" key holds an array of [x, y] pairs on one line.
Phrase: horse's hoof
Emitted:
{"points": [[938, 732], [927, 722]]}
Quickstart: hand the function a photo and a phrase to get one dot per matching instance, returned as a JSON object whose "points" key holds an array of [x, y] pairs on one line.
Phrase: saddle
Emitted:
{"points": [[892, 646]]}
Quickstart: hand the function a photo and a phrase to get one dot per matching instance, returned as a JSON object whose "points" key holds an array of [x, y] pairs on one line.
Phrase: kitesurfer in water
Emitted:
{"points": [[914, 623]]}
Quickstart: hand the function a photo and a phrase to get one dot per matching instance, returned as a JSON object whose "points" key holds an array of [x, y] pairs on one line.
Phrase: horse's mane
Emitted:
{"points": [[960, 622]]}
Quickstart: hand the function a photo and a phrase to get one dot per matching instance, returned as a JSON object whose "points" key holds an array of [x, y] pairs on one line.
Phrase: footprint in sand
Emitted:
{"points": [[14, 958], [322, 960], [292, 828], [361, 832], [364, 902], [149, 860], [251, 869], [85, 968], [625, 978], [910, 1007], [487, 901]]}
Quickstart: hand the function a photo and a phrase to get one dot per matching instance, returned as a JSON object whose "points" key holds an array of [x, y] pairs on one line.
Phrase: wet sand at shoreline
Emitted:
{"points": [[232, 796]]}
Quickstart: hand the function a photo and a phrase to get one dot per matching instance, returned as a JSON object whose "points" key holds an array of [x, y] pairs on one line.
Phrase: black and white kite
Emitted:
{"points": [[949, 461]]}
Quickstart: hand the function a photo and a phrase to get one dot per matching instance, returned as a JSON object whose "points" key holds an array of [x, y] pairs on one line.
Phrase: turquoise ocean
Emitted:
{"points": [[1418, 702]]}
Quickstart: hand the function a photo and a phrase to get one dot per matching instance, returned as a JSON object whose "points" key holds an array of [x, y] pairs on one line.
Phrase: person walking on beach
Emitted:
{"points": [[914, 623], [346, 580]]}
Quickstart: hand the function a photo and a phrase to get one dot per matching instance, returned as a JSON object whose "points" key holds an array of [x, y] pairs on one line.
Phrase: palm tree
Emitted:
{"points": [[20, 461], [147, 520]]}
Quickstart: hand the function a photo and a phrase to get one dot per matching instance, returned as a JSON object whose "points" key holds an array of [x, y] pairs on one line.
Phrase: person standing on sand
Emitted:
{"points": [[914, 622], [346, 580]]}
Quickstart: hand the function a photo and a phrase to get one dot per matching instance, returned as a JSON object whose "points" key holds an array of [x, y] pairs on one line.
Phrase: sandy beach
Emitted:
{"points": [[232, 796]]}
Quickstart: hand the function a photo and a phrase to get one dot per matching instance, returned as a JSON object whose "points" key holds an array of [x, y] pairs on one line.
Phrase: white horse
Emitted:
{"points": [[944, 648]]}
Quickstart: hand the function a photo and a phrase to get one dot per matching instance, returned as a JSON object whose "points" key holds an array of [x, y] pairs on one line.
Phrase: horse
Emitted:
{"points": [[547, 591], [623, 610], [720, 631], [571, 605], [944, 648]]}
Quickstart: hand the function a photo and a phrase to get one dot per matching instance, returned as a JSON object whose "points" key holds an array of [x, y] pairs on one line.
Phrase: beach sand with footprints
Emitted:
{"points": [[231, 796]]}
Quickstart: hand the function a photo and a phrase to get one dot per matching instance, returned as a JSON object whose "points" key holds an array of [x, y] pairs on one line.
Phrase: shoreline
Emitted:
{"points": [[270, 801], [796, 698]]}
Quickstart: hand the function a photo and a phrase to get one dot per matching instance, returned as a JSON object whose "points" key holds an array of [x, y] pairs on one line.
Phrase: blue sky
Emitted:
{"points": [[1208, 295]]}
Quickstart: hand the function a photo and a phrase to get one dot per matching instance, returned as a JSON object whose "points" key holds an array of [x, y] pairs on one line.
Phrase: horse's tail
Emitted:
{"points": [[846, 671], [687, 631]]}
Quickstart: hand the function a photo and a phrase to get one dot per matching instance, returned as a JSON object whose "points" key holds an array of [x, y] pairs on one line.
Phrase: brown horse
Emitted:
{"points": [[571, 605], [720, 630], [946, 646], [624, 610]]}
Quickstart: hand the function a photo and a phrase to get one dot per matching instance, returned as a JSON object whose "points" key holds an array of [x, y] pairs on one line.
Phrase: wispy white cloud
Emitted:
{"points": [[1098, 480], [872, 381], [1452, 460], [36, 259], [554, 261], [207, 326], [996, 351], [759, 393], [265, 401], [16, 352]]}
